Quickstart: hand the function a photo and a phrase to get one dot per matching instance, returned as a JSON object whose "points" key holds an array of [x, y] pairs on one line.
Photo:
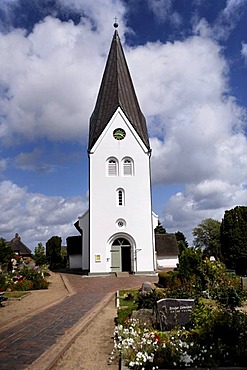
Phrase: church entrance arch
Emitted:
{"points": [[121, 255]]}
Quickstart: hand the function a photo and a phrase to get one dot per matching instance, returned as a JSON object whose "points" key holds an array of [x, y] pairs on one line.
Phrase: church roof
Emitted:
{"points": [[19, 247], [166, 245], [116, 90]]}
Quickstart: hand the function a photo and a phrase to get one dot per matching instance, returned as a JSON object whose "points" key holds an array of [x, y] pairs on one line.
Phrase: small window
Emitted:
{"points": [[112, 167], [127, 167], [120, 197], [120, 223]]}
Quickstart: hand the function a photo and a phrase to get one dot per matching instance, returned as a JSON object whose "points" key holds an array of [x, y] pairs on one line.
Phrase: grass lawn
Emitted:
{"points": [[124, 301], [15, 294]]}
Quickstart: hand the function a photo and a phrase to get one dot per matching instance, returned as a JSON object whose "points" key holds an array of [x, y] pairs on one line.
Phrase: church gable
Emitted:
{"points": [[119, 125]]}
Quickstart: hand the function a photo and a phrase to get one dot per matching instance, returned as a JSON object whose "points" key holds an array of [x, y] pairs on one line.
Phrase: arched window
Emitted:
{"points": [[120, 197], [128, 169], [112, 167]]}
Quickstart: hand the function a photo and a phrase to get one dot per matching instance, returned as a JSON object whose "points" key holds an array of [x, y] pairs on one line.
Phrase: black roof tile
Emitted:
{"points": [[166, 244], [116, 90]]}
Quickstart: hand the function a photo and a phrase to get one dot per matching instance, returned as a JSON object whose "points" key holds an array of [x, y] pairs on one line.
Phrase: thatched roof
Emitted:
{"points": [[18, 247], [166, 245]]}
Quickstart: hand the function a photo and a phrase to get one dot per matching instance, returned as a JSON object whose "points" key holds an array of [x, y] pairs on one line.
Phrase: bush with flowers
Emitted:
{"points": [[216, 335], [220, 340], [136, 343], [24, 279]]}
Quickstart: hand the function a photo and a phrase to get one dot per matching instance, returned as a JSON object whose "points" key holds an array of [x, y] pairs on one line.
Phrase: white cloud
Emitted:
{"points": [[37, 217], [225, 23], [228, 19], [197, 128], [244, 51], [208, 199], [48, 83], [163, 11], [33, 161], [3, 164]]}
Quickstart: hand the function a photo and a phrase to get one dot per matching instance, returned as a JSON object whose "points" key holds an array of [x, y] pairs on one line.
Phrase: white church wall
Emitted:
{"points": [[104, 211], [75, 261], [155, 219]]}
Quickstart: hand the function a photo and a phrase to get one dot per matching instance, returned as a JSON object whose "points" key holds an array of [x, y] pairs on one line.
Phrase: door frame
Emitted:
{"points": [[131, 243]]}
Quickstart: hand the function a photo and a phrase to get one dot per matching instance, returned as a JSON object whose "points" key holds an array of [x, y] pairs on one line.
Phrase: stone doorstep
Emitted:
{"points": [[122, 274]]}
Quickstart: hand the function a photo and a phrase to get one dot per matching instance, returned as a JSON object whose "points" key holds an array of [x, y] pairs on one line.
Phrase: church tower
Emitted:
{"points": [[118, 230]]}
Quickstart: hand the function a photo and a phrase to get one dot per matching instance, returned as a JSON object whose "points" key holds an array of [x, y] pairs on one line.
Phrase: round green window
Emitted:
{"points": [[119, 134]]}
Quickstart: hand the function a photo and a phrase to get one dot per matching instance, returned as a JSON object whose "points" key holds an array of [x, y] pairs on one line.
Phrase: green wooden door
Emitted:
{"points": [[115, 259]]}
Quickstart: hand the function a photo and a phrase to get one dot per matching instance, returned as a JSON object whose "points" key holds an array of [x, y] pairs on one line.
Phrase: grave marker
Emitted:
{"points": [[146, 287], [173, 312]]}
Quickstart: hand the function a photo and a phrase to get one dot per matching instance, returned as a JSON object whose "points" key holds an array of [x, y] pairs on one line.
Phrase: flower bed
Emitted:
{"points": [[218, 341], [215, 337], [24, 279]]}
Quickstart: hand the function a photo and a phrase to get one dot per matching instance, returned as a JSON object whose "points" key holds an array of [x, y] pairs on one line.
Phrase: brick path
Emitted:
{"points": [[21, 345]]}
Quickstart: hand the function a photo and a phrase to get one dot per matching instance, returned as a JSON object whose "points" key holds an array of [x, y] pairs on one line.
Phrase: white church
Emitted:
{"points": [[117, 231]]}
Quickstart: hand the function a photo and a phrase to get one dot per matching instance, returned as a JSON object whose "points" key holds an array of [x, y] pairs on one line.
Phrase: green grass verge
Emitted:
{"points": [[127, 303], [123, 298], [15, 294]]}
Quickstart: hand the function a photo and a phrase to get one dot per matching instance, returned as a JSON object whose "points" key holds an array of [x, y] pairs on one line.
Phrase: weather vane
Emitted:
{"points": [[115, 23]]}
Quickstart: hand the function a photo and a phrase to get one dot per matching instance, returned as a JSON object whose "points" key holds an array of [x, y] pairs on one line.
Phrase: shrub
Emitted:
{"points": [[229, 292], [190, 262], [218, 338], [27, 283], [22, 285], [206, 278], [35, 276], [166, 279], [149, 299], [222, 334], [2, 282]]}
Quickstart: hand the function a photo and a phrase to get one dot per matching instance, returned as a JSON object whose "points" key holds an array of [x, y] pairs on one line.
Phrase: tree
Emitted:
{"points": [[190, 262], [39, 255], [233, 236], [53, 251], [160, 229], [6, 252], [207, 237], [182, 242]]}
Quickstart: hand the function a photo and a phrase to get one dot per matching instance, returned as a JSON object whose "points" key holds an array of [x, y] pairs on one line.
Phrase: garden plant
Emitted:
{"points": [[216, 335], [23, 277]]}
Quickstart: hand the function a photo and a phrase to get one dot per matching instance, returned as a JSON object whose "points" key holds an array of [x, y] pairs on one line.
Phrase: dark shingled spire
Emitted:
{"points": [[116, 90]]}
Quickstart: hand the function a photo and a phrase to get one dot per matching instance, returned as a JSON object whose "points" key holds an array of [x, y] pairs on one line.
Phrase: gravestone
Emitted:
{"points": [[146, 287], [173, 312]]}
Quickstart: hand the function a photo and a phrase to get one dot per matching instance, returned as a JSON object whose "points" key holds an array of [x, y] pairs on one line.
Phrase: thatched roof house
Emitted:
{"points": [[19, 248], [167, 251]]}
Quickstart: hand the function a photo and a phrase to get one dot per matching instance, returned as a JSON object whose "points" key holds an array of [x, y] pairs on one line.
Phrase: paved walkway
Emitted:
{"points": [[23, 344]]}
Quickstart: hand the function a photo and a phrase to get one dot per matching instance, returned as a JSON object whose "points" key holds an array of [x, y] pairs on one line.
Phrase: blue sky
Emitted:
{"points": [[188, 61]]}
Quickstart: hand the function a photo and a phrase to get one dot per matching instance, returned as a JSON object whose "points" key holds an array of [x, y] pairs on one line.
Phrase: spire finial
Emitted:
{"points": [[115, 25]]}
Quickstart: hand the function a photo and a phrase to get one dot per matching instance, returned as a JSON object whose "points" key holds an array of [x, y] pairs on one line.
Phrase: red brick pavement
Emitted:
{"points": [[21, 345]]}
